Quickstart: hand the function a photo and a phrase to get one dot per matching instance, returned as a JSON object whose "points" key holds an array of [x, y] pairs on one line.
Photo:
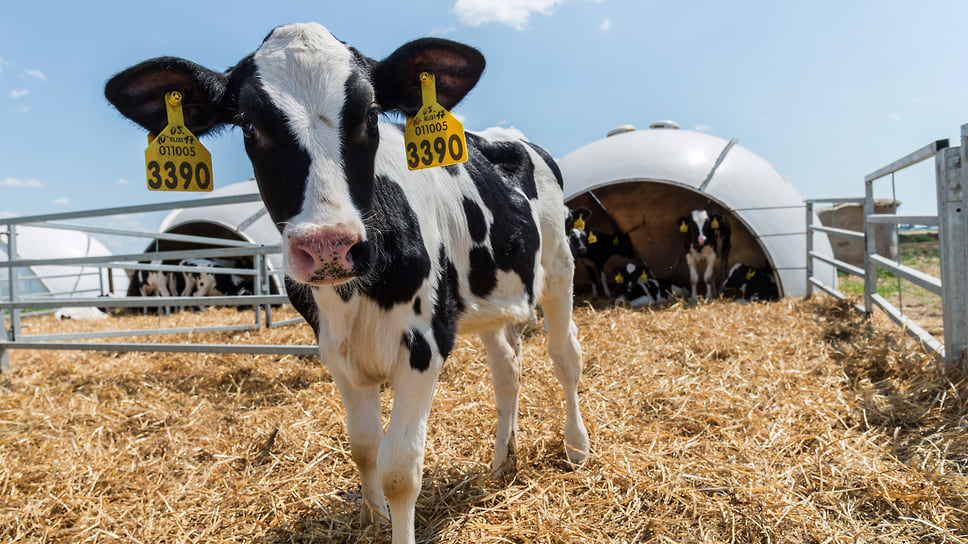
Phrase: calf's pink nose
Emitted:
{"points": [[323, 253]]}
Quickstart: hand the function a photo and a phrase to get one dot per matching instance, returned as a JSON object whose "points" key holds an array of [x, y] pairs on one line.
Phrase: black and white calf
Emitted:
{"points": [[206, 282], [386, 264], [149, 283], [751, 284], [594, 248], [639, 288], [706, 243]]}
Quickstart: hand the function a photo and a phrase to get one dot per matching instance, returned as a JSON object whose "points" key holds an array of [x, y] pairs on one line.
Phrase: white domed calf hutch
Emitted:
{"points": [[643, 181], [246, 222], [62, 280]]}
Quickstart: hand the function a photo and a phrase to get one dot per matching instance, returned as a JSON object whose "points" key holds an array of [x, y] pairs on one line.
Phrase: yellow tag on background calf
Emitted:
{"points": [[580, 222], [434, 137], [175, 160]]}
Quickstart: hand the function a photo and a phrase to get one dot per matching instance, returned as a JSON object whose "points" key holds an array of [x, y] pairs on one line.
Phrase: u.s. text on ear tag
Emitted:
{"points": [[175, 160], [434, 137]]}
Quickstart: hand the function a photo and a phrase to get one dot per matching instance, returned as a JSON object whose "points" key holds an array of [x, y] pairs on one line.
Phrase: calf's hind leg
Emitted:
{"points": [[565, 353], [503, 356]]}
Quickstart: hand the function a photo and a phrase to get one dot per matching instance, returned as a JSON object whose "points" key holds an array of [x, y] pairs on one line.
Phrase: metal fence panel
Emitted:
{"points": [[951, 173], [19, 304]]}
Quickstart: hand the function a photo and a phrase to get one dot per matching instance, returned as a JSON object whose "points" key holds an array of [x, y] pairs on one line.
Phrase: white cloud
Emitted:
{"points": [[122, 181], [14, 182], [20, 109], [606, 25], [895, 117], [19, 93], [514, 13], [702, 128], [62, 201], [5, 214], [36, 74]]}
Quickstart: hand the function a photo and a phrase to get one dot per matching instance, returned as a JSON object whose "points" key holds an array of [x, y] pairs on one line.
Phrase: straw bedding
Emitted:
{"points": [[794, 421]]}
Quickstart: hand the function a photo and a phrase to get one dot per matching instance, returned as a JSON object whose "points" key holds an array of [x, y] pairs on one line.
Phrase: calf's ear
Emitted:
{"points": [[456, 66], [139, 94]]}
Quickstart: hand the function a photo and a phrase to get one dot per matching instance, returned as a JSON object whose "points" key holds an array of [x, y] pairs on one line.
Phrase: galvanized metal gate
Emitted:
{"points": [[16, 305], [951, 182]]}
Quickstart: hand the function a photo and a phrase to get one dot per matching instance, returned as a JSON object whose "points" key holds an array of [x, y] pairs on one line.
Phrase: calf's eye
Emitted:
{"points": [[372, 119], [248, 131]]}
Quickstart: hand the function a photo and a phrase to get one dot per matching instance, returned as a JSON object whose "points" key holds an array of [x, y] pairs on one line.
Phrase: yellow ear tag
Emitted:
{"points": [[434, 137], [683, 227], [592, 239], [175, 160], [615, 241], [580, 222], [750, 273], [643, 276], [714, 223], [619, 279]]}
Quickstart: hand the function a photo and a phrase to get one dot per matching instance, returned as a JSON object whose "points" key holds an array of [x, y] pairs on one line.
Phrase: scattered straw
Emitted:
{"points": [[795, 421]]}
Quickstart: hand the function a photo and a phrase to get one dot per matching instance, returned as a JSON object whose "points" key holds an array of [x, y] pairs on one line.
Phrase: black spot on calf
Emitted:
{"points": [[419, 350]]}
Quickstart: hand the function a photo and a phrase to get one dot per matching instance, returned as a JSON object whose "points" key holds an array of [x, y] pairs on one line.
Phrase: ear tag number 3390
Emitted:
{"points": [[175, 160], [434, 137]]}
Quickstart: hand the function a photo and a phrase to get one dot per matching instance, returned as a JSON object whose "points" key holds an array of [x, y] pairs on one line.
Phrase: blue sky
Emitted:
{"points": [[827, 91]]}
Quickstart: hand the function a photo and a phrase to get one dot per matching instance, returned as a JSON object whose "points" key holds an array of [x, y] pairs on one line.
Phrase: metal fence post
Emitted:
{"points": [[870, 248], [810, 247], [12, 276], [257, 287], [952, 180], [4, 352]]}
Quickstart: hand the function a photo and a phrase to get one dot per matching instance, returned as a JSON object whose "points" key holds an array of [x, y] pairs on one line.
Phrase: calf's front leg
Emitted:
{"points": [[693, 274], [708, 277], [401, 454], [365, 427]]}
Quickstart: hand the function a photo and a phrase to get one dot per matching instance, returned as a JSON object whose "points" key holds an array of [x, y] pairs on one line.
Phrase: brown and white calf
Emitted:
{"points": [[388, 264]]}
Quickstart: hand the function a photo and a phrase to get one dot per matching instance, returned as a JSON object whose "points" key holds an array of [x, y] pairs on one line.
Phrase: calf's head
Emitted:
{"points": [[699, 227], [308, 106], [576, 225]]}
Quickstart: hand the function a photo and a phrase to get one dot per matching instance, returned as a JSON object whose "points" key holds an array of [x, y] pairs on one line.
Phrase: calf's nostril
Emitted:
{"points": [[302, 258]]}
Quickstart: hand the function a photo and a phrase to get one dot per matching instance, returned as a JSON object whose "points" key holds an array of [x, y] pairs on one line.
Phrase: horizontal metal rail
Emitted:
{"points": [[848, 200], [905, 272], [912, 328], [160, 256], [53, 294], [241, 349], [923, 154], [827, 289], [150, 302], [186, 268], [145, 234], [819, 284], [134, 332], [124, 210], [285, 322], [925, 220], [846, 267], [851, 234]]}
